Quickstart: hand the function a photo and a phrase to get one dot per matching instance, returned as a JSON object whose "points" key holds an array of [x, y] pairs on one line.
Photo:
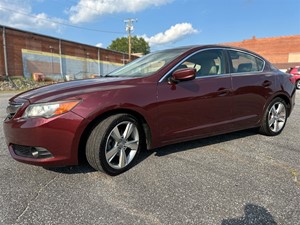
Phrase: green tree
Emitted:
{"points": [[138, 45]]}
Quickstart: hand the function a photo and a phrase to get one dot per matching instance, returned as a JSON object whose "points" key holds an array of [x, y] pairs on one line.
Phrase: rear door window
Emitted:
{"points": [[242, 62]]}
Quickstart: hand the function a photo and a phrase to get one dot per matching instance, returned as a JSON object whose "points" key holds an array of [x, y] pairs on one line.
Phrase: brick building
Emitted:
{"points": [[25, 53], [283, 52]]}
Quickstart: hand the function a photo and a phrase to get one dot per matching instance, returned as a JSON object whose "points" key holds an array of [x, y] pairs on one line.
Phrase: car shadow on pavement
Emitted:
{"points": [[84, 167], [254, 214], [190, 145]]}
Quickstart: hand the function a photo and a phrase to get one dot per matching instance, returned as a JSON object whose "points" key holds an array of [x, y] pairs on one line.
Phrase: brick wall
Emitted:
{"points": [[275, 49]]}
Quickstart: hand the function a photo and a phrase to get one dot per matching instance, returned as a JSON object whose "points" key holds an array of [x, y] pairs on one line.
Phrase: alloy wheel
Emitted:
{"points": [[122, 145], [277, 117]]}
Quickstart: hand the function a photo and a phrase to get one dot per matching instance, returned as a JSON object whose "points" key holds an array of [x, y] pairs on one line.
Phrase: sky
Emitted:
{"points": [[162, 23]]}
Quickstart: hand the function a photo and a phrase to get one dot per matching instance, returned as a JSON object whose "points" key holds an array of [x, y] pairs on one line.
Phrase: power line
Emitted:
{"points": [[61, 23]]}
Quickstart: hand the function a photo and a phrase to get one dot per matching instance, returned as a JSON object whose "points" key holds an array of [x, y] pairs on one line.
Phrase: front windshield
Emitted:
{"points": [[148, 64]]}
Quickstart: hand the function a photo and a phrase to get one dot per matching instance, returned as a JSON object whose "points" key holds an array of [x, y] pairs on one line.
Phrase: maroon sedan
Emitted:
{"points": [[162, 98]]}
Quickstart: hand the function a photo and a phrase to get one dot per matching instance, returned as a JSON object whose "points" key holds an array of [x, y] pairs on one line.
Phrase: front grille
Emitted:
{"points": [[31, 152], [12, 109]]}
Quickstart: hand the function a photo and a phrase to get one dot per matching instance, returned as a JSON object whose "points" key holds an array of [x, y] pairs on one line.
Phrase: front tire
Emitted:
{"points": [[114, 144], [274, 118]]}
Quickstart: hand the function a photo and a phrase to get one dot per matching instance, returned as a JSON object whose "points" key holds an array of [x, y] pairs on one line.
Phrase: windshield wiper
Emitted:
{"points": [[110, 76]]}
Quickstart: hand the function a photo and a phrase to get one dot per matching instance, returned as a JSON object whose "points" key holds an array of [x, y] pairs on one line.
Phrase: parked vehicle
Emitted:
{"points": [[295, 71], [163, 98]]}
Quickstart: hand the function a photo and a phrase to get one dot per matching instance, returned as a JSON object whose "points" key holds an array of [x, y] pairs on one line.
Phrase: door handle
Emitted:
{"points": [[266, 83], [223, 92]]}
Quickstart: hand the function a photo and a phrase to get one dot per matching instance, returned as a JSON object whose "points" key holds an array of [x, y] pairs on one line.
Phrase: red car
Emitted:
{"points": [[163, 98], [295, 71]]}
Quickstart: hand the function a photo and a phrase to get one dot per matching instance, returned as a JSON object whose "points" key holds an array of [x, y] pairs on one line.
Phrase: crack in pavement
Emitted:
{"points": [[35, 197]]}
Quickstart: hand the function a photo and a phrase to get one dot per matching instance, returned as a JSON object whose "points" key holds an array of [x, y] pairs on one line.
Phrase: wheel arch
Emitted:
{"points": [[287, 101], [285, 98], [85, 134]]}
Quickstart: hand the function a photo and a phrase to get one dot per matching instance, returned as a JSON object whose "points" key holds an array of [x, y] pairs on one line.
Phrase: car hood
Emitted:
{"points": [[72, 89]]}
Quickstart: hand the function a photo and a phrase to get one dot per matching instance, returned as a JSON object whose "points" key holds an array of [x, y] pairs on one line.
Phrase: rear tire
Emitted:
{"points": [[274, 118], [114, 144]]}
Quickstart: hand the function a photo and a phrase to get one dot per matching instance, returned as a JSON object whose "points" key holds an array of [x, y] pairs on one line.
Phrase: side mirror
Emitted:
{"points": [[183, 75]]}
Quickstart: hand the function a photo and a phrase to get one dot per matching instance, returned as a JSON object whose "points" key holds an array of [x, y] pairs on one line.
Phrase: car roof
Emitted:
{"points": [[198, 47]]}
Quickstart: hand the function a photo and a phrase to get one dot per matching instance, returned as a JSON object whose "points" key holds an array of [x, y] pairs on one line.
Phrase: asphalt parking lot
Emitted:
{"points": [[234, 179]]}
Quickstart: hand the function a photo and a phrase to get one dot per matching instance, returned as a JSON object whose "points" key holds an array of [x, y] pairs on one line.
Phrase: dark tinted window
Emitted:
{"points": [[243, 62], [206, 63]]}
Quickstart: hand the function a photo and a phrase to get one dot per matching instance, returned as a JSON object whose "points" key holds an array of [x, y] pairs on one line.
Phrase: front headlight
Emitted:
{"points": [[49, 109]]}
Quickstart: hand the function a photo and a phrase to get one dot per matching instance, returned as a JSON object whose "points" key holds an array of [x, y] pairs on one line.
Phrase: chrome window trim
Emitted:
{"points": [[212, 76], [253, 73], [217, 75]]}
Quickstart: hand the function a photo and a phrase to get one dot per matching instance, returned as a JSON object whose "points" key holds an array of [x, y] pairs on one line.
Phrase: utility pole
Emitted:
{"points": [[129, 28]]}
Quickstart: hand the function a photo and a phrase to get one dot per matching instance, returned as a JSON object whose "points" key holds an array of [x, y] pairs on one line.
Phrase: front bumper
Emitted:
{"points": [[45, 142]]}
